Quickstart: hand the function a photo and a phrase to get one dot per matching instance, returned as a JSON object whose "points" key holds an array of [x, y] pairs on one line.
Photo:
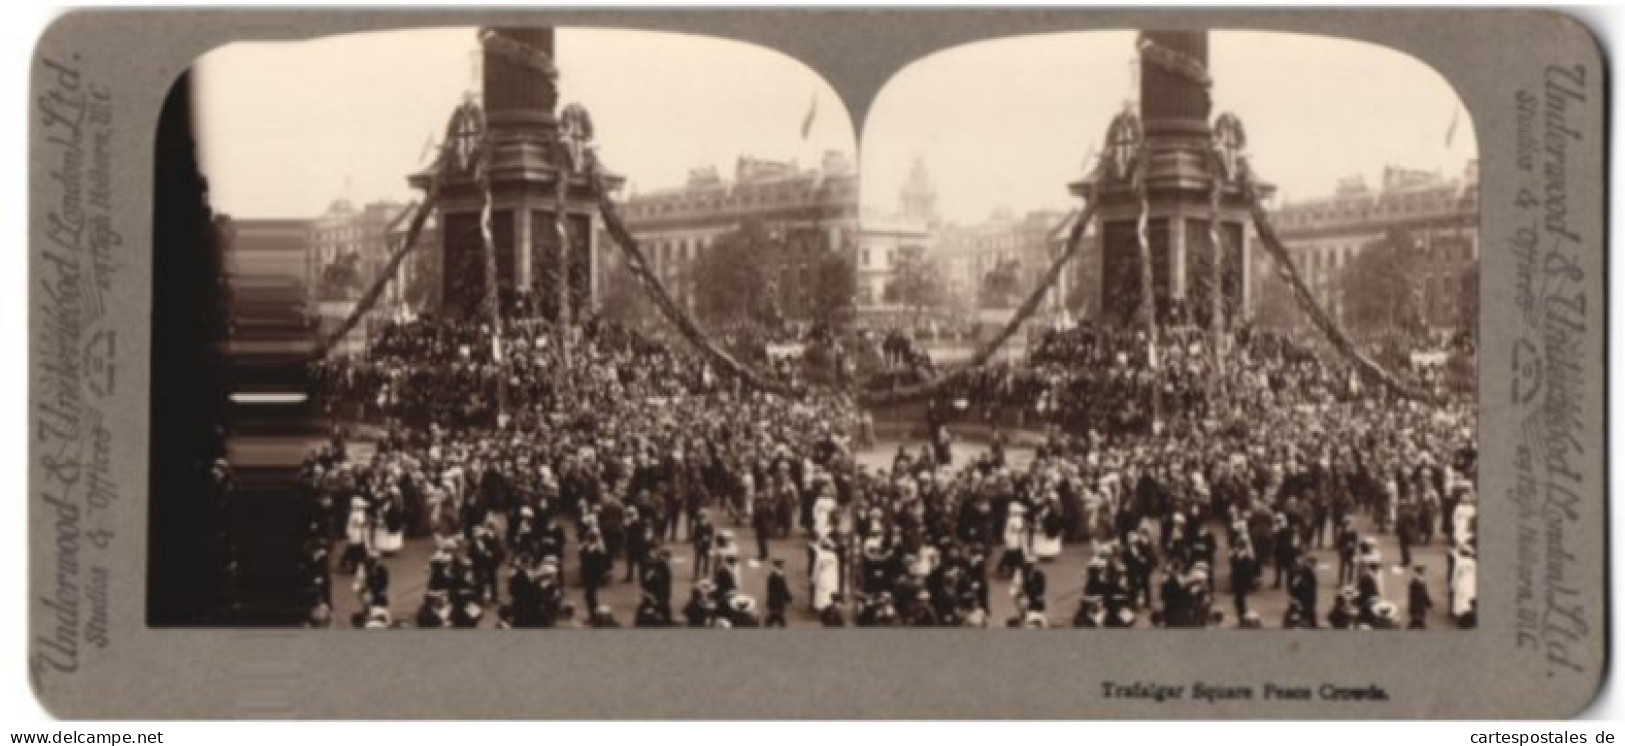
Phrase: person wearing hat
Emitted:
{"points": [[1017, 540], [1175, 600], [1369, 588], [640, 542], [778, 595], [1420, 600], [825, 574], [1348, 544], [1286, 541], [548, 595], [700, 609], [377, 617], [358, 533], [320, 616], [1091, 613], [650, 614], [1032, 585], [656, 579], [1406, 530], [485, 558], [761, 521], [1304, 588], [602, 617], [595, 566], [1138, 561], [372, 581], [1243, 573], [523, 595], [833, 614], [727, 578], [1384, 615], [435, 613], [703, 535]]}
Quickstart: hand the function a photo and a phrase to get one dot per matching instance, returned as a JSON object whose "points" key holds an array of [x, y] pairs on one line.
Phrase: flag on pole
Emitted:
{"points": [[1450, 133], [812, 114]]}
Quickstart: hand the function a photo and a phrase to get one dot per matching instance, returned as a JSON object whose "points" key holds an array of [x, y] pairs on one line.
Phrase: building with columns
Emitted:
{"points": [[885, 236], [1438, 212], [882, 242], [813, 209]]}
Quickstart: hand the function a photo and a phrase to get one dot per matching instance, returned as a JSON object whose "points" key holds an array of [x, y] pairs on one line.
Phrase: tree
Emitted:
{"points": [[835, 285], [624, 298], [1001, 286], [1275, 307], [916, 280], [1380, 287], [735, 280]]}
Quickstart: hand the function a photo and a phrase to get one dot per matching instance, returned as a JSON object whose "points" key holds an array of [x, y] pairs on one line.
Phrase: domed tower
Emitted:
{"points": [[918, 197]]}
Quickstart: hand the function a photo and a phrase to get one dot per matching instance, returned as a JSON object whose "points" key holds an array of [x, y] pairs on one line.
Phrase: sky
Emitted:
{"points": [[1009, 122], [284, 128]]}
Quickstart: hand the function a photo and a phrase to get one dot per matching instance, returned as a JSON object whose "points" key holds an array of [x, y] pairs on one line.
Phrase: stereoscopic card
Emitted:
{"points": [[1033, 363]]}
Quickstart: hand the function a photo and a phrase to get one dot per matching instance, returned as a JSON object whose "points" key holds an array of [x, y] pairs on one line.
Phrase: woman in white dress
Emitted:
{"points": [[824, 513], [1047, 528], [826, 575], [1464, 585], [389, 530], [1017, 540], [357, 535]]}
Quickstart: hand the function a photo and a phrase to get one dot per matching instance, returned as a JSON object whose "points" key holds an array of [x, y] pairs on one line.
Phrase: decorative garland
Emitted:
{"points": [[1215, 239], [568, 143], [1074, 244], [1175, 62], [518, 53], [493, 304], [674, 313], [442, 160], [1148, 299], [1306, 299]]}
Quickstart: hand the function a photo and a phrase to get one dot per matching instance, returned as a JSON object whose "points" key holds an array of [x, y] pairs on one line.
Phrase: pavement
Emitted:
{"points": [[409, 572]]}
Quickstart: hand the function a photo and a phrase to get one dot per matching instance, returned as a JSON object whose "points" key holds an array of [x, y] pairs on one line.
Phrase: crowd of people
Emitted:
{"points": [[1084, 378], [632, 461]]}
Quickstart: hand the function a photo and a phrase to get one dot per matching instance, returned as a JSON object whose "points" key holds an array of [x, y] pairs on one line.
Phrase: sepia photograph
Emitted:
{"points": [[532, 327]]}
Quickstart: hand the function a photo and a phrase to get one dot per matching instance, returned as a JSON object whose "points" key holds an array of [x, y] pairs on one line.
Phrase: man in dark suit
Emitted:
{"points": [[1405, 530], [704, 535], [1420, 600], [594, 567], [1034, 586], [1286, 549], [726, 577], [1303, 588], [1369, 594], [1348, 542], [1243, 573], [778, 595], [656, 582], [833, 615]]}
